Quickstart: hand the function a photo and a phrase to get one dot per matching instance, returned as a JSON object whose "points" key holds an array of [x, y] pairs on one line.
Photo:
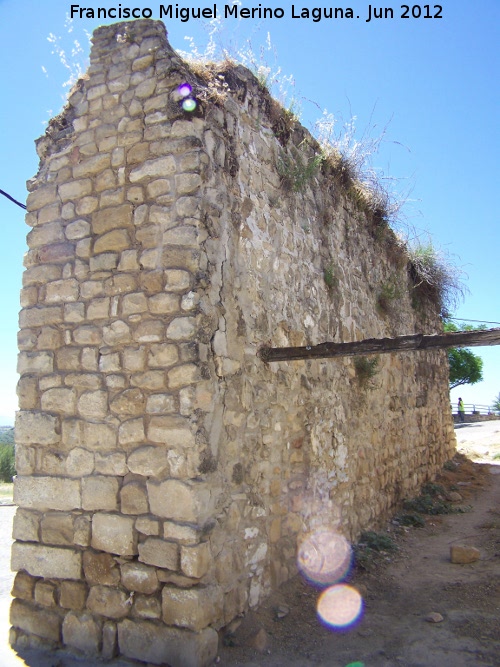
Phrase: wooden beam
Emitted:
{"points": [[383, 345]]}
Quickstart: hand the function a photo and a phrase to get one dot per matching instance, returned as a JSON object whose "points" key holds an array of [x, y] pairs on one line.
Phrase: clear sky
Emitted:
{"points": [[433, 81]]}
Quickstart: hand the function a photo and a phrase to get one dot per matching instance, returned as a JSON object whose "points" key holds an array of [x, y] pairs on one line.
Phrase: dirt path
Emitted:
{"points": [[398, 596]]}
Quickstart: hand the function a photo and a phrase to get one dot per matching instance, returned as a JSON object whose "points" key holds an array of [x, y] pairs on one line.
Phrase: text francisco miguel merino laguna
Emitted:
{"points": [[258, 12]]}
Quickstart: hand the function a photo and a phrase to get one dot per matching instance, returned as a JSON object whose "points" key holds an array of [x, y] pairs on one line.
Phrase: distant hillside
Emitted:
{"points": [[6, 435]]}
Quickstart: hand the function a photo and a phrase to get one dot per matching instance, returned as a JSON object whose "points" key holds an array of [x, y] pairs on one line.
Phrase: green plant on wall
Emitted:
{"points": [[296, 170], [329, 276], [366, 368], [388, 294]]}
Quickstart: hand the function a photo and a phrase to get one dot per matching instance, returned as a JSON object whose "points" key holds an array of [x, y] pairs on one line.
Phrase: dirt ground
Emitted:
{"points": [[400, 589]]}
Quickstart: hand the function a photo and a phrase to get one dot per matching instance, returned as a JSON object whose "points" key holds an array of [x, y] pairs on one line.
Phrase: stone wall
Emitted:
{"points": [[165, 472]]}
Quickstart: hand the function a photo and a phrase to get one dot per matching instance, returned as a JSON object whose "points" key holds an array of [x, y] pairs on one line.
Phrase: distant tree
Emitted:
{"points": [[465, 366], [496, 404]]}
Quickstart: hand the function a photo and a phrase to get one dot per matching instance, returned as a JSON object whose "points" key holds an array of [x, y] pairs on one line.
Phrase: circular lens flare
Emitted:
{"points": [[324, 556], [189, 104], [340, 606], [184, 89]]}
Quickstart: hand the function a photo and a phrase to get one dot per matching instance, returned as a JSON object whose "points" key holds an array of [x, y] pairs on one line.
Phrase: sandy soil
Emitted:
{"points": [[399, 589]]}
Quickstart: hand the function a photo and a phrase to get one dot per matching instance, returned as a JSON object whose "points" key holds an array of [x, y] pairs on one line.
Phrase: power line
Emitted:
{"points": [[12, 199], [464, 319]]}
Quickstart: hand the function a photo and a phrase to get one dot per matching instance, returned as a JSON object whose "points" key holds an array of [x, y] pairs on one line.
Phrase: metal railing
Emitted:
{"points": [[475, 409]]}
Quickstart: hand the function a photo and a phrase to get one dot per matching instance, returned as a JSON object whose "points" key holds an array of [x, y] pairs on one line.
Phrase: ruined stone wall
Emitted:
{"points": [[165, 472]]}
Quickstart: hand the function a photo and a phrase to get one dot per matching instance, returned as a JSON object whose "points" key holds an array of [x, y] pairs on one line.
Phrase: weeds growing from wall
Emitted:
{"points": [[296, 170], [366, 368]]}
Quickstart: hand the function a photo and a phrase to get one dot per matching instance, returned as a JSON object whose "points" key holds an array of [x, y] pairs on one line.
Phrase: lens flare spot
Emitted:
{"points": [[340, 606], [184, 89], [356, 664], [189, 104], [324, 556]]}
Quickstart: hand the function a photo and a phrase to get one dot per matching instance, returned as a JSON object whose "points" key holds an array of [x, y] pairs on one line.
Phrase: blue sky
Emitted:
{"points": [[433, 83]]}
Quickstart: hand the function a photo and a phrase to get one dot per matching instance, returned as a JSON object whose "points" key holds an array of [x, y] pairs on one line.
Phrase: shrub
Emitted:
{"points": [[7, 463]]}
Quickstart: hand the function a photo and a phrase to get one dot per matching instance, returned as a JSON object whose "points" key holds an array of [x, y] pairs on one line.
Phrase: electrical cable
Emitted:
{"points": [[5, 194]]}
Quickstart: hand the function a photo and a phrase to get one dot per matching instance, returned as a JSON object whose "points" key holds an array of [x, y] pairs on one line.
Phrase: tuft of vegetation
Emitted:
{"points": [[410, 519], [435, 277], [390, 292], [296, 170], [371, 548], [330, 277], [366, 368]]}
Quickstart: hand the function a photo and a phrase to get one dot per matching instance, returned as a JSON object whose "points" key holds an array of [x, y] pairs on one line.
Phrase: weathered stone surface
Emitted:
{"points": [[48, 562], [24, 586], [35, 621], [100, 493], [73, 595], [146, 641], [196, 560], [44, 493], [57, 528], [172, 431], [139, 578], [113, 533], [134, 499], [45, 594], [149, 461], [108, 602], [193, 608], [36, 427], [26, 525], [176, 500], [82, 632], [100, 568], [462, 554], [155, 551]]}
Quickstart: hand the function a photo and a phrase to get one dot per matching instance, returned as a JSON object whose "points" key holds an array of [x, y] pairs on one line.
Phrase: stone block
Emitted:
{"points": [[109, 640], [100, 569], [181, 328], [162, 355], [192, 608], [134, 499], [110, 218], [114, 463], [139, 578], [196, 560], [36, 428], [147, 607], [79, 462], [35, 621], [92, 436], [158, 552], [170, 431], [147, 526], [113, 241], [24, 586], [57, 528], [147, 641], [100, 493], [173, 499], [47, 493], [82, 632], [59, 399], [26, 525], [131, 431], [93, 404], [108, 602], [149, 461], [180, 533], [47, 562], [160, 404], [45, 594], [114, 534], [129, 403], [72, 595], [160, 167], [183, 375]]}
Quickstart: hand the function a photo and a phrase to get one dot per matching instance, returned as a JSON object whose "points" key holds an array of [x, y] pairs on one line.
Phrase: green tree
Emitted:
{"points": [[496, 404], [465, 366]]}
